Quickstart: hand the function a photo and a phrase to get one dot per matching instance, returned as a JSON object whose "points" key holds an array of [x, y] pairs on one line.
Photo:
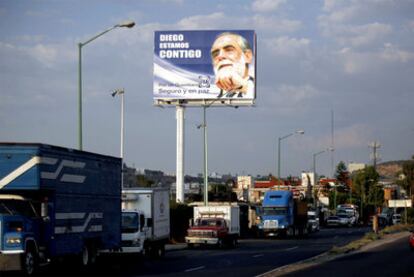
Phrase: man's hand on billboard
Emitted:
{"points": [[228, 80]]}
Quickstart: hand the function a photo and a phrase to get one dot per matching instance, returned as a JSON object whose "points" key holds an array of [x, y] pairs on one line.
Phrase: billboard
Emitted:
{"points": [[191, 67]]}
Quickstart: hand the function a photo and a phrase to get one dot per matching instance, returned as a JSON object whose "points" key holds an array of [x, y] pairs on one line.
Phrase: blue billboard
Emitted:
{"points": [[200, 65]]}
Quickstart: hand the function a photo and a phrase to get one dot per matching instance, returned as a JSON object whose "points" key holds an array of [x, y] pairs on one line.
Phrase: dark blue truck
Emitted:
{"points": [[281, 214], [56, 202]]}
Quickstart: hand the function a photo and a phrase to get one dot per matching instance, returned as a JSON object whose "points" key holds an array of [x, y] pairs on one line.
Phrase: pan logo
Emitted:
{"points": [[204, 81]]}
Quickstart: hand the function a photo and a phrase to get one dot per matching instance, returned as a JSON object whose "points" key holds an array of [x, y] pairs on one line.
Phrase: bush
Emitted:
{"points": [[180, 215]]}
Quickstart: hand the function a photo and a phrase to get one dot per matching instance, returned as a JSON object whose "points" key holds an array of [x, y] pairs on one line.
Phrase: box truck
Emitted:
{"points": [[214, 225], [145, 221]]}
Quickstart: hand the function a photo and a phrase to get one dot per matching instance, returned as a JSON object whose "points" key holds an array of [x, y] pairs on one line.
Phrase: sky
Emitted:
{"points": [[353, 59]]}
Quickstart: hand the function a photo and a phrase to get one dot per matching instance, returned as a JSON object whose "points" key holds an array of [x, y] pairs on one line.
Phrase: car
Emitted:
{"points": [[411, 240], [345, 220], [313, 222], [332, 221], [396, 219]]}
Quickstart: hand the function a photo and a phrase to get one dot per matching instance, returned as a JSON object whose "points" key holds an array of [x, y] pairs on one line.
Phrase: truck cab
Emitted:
{"points": [[20, 221], [133, 231], [282, 215], [214, 225]]}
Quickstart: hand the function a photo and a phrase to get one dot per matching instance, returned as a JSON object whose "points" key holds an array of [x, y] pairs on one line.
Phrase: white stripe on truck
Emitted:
{"points": [[78, 228], [24, 168], [69, 178]]}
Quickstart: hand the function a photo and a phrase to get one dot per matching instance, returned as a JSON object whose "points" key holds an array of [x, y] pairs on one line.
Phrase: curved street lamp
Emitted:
{"points": [[300, 132], [127, 24]]}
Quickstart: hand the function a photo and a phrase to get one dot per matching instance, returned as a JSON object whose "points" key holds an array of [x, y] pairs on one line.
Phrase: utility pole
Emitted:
{"points": [[375, 156]]}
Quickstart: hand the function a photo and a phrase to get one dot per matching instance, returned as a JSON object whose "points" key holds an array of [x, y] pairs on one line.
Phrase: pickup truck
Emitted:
{"points": [[214, 225]]}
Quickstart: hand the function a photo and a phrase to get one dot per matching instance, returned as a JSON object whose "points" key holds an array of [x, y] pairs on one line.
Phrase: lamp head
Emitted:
{"points": [[128, 24]]}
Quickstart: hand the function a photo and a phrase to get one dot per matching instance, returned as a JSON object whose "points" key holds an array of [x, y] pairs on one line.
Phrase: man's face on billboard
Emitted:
{"points": [[227, 54]]}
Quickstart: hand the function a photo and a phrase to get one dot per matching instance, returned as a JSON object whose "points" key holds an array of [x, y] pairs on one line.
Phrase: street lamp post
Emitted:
{"points": [[205, 160], [301, 132], [314, 167], [128, 24], [121, 93]]}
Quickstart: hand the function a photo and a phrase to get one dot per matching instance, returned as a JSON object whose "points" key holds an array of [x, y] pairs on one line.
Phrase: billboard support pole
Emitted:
{"points": [[180, 155]]}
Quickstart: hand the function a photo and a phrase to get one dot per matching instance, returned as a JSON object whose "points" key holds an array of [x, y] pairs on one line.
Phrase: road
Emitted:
{"points": [[392, 259], [250, 258]]}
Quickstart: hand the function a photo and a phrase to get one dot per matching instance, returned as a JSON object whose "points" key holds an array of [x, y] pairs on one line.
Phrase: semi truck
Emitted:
{"points": [[145, 221], [214, 225], [282, 215], [56, 202]]}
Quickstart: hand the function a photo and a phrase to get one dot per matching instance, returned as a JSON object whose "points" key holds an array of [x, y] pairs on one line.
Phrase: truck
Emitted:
{"points": [[56, 202], [282, 215], [145, 221], [313, 221], [214, 225]]}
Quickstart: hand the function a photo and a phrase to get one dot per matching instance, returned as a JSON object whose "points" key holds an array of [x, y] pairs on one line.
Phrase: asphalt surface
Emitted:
{"points": [[393, 258], [251, 257]]}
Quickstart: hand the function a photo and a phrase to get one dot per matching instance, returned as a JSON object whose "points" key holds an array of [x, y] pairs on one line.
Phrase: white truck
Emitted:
{"points": [[145, 221], [214, 225]]}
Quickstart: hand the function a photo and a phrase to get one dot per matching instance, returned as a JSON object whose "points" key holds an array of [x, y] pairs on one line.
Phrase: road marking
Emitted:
{"points": [[289, 249], [258, 255], [194, 269]]}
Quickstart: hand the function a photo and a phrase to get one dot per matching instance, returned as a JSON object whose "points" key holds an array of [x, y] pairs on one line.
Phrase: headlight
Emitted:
{"points": [[13, 240], [136, 242]]}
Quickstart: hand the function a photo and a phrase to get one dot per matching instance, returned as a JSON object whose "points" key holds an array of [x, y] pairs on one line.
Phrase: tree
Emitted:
{"points": [[365, 187], [408, 171], [144, 182], [342, 177]]}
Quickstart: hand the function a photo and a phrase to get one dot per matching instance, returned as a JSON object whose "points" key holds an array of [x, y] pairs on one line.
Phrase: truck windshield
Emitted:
{"points": [[210, 222], [130, 222], [17, 207], [275, 210]]}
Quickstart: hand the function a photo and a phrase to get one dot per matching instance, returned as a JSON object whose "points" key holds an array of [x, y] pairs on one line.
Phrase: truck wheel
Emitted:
{"points": [[190, 245], [29, 261], [84, 256], [160, 251], [220, 243]]}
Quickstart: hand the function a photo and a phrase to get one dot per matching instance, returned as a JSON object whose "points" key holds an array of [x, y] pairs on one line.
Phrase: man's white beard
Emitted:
{"points": [[238, 67]]}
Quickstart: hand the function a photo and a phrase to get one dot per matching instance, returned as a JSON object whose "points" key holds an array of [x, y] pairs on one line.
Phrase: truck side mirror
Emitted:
{"points": [[149, 222], [141, 221], [44, 211]]}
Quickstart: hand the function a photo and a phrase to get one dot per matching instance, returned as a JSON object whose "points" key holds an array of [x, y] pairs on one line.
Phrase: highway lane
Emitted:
{"points": [[391, 259], [250, 258]]}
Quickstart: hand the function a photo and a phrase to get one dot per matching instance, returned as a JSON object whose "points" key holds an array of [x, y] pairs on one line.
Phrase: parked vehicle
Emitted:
{"points": [[351, 210], [345, 220], [396, 219], [56, 202], [333, 221], [282, 215], [145, 221], [214, 225], [313, 221], [411, 240]]}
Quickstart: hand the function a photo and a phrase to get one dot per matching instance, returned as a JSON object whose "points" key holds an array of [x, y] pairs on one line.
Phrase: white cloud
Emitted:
{"points": [[392, 53], [356, 35], [213, 20], [275, 25], [267, 5], [355, 62], [285, 46], [218, 19], [288, 99]]}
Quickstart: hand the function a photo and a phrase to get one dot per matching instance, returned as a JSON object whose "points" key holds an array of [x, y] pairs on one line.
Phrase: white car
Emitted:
{"points": [[396, 219], [345, 220]]}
